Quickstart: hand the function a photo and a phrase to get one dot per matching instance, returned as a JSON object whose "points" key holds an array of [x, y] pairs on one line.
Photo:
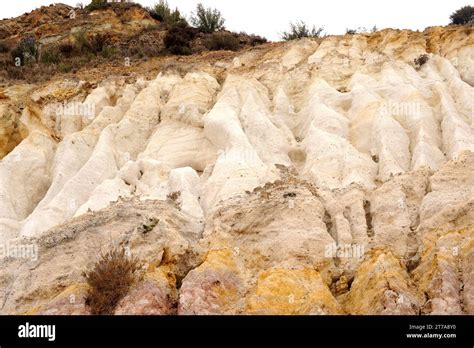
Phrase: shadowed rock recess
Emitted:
{"points": [[317, 176]]}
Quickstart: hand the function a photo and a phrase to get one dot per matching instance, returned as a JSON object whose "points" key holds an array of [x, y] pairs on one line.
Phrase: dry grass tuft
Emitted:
{"points": [[110, 280]]}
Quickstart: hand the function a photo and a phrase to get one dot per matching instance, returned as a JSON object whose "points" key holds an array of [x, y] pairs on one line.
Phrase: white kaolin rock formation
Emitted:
{"points": [[379, 153]]}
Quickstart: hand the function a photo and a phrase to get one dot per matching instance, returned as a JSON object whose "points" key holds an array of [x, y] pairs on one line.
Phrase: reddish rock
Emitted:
{"points": [[152, 296]]}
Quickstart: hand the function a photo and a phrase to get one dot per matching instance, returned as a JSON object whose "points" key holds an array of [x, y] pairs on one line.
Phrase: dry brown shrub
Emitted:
{"points": [[110, 280]]}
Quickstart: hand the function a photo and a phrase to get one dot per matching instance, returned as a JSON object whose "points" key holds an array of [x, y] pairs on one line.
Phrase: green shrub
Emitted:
{"points": [[160, 11], [81, 41], [163, 13], [207, 20], [222, 41], [108, 51], [175, 17], [110, 280], [25, 50], [465, 15], [178, 39], [300, 30], [51, 55], [96, 5], [96, 44]]}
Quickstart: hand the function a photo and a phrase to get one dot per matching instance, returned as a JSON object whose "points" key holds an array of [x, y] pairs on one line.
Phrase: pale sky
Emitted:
{"points": [[270, 17]]}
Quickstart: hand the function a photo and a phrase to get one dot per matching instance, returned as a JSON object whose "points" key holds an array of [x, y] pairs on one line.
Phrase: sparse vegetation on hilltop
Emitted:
{"points": [[96, 5], [222, 40], [465, 15], [178, 39], [207, 20], [299, 30], [157, 32], [360, 30], [163, 13]]}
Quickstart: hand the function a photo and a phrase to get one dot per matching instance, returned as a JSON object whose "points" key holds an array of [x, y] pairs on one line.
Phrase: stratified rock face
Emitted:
{"points": [[317, 177]]}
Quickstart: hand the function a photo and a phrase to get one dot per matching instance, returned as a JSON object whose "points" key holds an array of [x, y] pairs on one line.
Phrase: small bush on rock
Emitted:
{"points": [[222, 41], [51, 55], [26, 51], [81, 41], [110, 280], [257, 40], [421, 60], [300, 30], [178, 39], [84, 44]]}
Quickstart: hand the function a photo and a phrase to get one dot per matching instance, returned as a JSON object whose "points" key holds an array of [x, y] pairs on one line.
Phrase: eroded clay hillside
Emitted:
{"points": [[329, 176]]}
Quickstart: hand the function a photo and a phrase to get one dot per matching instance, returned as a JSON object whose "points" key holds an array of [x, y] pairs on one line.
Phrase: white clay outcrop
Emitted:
{"points": [[256, 181]]}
